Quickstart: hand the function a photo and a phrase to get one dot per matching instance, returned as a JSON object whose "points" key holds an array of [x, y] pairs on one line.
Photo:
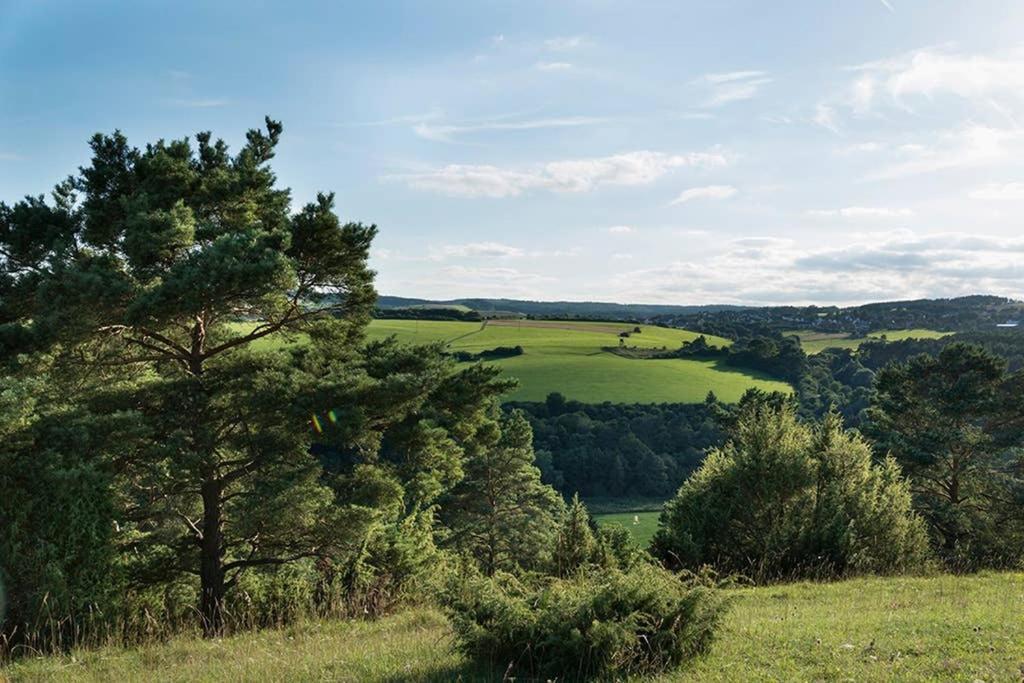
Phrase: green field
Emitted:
{"points": [[642, 524], [567, 357], [816, 342], [941, 628]]}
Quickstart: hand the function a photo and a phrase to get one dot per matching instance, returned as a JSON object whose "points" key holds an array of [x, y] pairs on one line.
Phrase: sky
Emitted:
{"points": [[701, 152]]}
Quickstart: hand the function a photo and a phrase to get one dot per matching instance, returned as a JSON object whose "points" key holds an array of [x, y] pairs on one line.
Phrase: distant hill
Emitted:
{"points": [[554, 309]]}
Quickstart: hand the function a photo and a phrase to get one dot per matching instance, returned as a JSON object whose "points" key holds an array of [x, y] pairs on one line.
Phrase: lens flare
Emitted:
{"points": [[317, 426], [332, 416]]}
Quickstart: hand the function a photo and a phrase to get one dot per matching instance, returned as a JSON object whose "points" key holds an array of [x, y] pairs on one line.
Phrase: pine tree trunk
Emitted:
{"points": [[211, 572]]}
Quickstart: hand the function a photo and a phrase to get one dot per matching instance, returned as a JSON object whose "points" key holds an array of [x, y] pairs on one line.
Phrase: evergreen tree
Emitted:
{"points": [[501, 513], [175, 277], [783, 499], [576, 545], [953, 423]]}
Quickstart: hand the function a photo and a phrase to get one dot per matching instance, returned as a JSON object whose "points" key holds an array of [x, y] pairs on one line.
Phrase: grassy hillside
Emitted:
{"points": [[941, 628], [567, 356], [642, 523], [816, 342]]}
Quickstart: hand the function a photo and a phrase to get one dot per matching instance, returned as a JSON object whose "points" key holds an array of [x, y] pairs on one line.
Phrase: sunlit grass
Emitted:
{"points": [[941, 628]]}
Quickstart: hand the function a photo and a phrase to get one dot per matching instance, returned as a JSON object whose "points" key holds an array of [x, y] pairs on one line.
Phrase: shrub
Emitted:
{"points": [[786, 500], [607, 623]]}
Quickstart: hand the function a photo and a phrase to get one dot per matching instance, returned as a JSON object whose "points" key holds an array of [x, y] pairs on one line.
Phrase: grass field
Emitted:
{"points": [[642, 524], [816, 342], [568, 357], [942, 628]]}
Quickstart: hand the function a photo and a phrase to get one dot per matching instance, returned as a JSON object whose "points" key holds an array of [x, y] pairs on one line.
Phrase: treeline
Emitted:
{"points": [[958, 314], [427, 313], [843, 378], [775, 355], [621, 450]]}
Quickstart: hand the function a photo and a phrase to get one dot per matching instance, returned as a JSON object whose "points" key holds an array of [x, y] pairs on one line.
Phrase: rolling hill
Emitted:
{"points": [[570, 357]]}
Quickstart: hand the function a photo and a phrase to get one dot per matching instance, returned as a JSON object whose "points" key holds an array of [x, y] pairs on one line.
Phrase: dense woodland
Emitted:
{"points": [[161, 471]]}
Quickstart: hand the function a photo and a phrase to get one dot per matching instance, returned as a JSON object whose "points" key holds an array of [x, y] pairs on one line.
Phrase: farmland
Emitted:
{"points": [[569, 357], [816, 342], [872, 629]]}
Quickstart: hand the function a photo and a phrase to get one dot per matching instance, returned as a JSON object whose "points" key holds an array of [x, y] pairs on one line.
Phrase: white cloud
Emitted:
{"points": [[553, 66], [476, 249], [972, 146], [769, 270], [862, 212], [888, 5], [999, 192], [573, 175], [987, 82], [732, 86], [622, 257], [9, 156], [490, 275], [446, 132], [563, 43], [930, 73], [706, 192], [621, 229]]}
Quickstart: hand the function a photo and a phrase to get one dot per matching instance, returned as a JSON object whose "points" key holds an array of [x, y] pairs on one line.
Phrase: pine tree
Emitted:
{"points": [[501, 513]]}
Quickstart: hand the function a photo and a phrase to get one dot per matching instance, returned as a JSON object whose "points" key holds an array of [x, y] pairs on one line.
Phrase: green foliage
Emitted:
{"points": [[610, 450], [602, 624], [192, 450], [956, 424], [501, 513], [782, 499], [575, 544]]}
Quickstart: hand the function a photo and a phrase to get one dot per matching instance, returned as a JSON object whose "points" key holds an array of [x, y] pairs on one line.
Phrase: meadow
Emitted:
{"points": [[641, 523], [935, 628], [569, 357], [816, 342]]}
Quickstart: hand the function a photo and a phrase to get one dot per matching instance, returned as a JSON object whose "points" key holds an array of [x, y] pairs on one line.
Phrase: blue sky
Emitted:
{"points": [[675, 152]]}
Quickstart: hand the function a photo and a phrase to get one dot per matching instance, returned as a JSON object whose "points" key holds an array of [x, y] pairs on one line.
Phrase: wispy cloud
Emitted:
{"points": [[971, 146], [999, 192], [553, 66], [9, 156], [476, 250], [862, 212], [564, 43], [888, 6], [732, 86], [621, 229], [706, 192], [447, 132], [989, 82], [825, 116], [572, 175]]}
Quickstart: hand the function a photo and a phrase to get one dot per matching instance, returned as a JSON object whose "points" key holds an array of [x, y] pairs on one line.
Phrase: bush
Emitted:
{"points": [[788, 500], [607, 623]]}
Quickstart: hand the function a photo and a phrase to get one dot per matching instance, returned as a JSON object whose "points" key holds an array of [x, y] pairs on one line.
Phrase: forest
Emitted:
{"points": [[166, 470]]}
